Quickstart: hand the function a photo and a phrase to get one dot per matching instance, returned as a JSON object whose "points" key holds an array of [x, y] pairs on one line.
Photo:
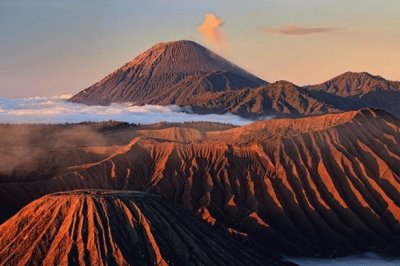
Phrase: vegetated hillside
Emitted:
{"points": [[118, 228], [167, 73], [319, 186]]}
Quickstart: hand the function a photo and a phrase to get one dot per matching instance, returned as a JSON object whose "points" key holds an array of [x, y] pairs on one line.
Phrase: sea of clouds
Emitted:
{"points": [[364, 259], [58, 110]]}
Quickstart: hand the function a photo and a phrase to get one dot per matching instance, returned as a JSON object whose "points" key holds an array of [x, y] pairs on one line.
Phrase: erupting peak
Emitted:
{"points": [[167, 73]]}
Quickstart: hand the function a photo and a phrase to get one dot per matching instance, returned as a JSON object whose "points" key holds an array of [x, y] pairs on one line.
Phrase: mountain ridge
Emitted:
{"points": [[187, 74], [319, 186], [346, 84]]}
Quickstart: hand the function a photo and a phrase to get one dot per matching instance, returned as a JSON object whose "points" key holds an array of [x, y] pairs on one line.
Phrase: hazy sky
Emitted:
{"points": [[50, 47]]}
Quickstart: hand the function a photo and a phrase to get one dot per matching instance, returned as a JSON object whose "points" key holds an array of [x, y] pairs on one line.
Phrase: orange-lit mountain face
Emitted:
{"points": [[118, 228], [324, 185], [187, 74], [166, 74]]}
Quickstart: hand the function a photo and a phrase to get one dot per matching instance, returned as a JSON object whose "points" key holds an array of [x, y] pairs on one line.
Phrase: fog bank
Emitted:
{"points": [[58, 110], [368, 258]]}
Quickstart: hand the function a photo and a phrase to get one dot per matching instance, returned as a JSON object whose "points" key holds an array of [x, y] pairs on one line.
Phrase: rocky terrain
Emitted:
{"points": [[351, 91], [319, 186], [279, 99], [118, 228], [186, 74]]}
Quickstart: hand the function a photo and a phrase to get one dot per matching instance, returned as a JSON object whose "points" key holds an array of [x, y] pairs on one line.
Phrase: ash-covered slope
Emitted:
{"points": [[167, 73], [319, 186], [118, 228]]}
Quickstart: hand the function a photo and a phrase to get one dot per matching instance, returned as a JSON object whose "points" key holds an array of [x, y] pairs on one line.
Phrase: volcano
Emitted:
{"points": [[319, 186], [166, 74], [118, 228], [187, 74]]}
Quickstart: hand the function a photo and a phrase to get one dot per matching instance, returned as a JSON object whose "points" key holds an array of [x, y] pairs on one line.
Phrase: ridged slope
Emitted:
{"points": [[277, 99], [167, 73], [117, 228], [351, 91], [326, 185], [357, 84], [273, 130]]}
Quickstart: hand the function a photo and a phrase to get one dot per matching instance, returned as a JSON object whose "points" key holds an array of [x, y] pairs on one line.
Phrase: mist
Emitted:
{"points": [[368, 258], [58, 110], [28, 151]]}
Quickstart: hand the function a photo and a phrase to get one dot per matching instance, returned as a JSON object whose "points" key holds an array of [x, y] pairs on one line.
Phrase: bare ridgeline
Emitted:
{"points": [[321, 180]]}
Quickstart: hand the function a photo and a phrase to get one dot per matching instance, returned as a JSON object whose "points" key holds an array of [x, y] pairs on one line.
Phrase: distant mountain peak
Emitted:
{"points": [[284, 83], [179, 42], [358, 75], [356, 84], [166, 73]]}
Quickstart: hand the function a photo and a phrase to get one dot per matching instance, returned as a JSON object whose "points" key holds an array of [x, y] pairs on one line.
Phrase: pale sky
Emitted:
{"points": [[54, 47]]}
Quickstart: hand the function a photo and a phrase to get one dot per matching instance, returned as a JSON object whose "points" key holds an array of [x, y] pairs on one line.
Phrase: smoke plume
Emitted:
{"points": [[211, 30]]}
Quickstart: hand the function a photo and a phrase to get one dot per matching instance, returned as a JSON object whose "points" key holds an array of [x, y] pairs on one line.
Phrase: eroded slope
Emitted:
{"points": [[322, 186], [118, 228]]}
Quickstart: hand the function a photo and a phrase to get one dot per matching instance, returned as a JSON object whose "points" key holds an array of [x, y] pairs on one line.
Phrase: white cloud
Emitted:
{"points": [[356, 260], [57, 110]]}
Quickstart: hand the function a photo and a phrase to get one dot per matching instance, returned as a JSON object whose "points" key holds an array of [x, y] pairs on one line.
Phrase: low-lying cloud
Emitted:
{"points": [[356, 260], [211, 29], [297, 30], [58, 110]]}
